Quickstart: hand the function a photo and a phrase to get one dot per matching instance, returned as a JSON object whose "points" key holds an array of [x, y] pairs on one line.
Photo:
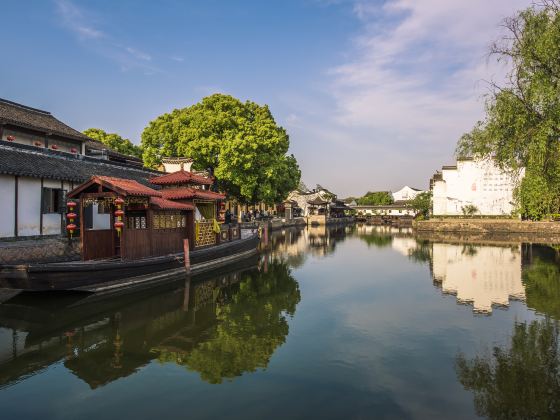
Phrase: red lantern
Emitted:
{"points": [[73, 150], [38, 144], [54, 147], [119, 201], [11, 138], [71, 205], [71, 216], [119, 213], [71, 227], [118, 226]]}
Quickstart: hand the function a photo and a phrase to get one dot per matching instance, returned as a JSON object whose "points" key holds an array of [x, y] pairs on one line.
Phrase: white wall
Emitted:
{"points": [[174, 167], [29, 206], [405, 193], [100, 221], [479, 183], [7, 205]]}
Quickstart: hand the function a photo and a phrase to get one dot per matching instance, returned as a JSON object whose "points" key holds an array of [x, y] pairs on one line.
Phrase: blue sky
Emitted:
{"points": [[374, 94]]}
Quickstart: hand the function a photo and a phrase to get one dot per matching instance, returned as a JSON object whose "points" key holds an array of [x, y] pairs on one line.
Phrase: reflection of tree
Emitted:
{"points": [[378, 240], [522, 381], [542, 287], [250, 325], [422, 253], [469, 250]]}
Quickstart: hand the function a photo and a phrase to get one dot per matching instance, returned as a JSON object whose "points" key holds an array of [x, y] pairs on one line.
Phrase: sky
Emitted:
{"points": [[374, 94]]}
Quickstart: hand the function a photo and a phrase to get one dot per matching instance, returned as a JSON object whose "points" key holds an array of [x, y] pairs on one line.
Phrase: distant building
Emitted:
{"points": [[303, 198], [406, 193], [473, 182]]}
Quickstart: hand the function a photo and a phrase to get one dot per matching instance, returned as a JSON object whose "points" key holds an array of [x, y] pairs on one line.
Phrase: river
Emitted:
{"points": [[350, 322]]}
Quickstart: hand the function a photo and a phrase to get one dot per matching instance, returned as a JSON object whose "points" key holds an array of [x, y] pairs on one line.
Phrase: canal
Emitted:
{"points": [[348, 322]]}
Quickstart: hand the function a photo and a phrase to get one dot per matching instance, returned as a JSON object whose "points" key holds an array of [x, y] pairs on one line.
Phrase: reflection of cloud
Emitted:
{"points": [[82, 25]]}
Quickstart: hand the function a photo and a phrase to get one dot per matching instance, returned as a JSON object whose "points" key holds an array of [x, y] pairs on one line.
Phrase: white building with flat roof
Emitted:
{"points": [[473, 182]]}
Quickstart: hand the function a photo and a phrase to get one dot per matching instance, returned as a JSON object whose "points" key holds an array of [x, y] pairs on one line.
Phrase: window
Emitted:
{"points": [[169, 220], [103, 208], [136, 220], [53, 200]]}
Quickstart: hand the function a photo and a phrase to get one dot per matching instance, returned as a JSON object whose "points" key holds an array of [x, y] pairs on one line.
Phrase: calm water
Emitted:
{"points": [[357, 322]]}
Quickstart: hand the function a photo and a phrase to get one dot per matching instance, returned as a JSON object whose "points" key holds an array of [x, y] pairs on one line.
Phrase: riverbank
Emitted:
{"points": [[524, 231]]}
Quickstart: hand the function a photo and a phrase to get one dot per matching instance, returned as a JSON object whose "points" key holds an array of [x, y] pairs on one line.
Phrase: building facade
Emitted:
{"points": [[406, 193], [479, 183], [41, 159]]}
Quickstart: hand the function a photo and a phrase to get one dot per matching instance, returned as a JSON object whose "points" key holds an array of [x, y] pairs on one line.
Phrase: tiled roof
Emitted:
{"points": [[22, 160], [163, 204], [36, 119], [190, 193], [181, 177], [317, 201], [126, 186]]}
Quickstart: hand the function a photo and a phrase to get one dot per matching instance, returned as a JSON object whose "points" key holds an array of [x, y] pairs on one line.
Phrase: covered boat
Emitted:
{"points": [[129, 232]]}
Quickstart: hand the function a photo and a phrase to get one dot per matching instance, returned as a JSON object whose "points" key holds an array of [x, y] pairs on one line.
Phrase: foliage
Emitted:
{"points": [[522, 124], [377, 198], [469, 210], [522, 381], [542, 287], [422, 203], [249, 325], [377, 239], [422, 252], [239, 142], [114, 141]]}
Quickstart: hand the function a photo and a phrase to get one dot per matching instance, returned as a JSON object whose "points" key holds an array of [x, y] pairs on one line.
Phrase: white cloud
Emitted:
{"points": [[409, 87], [74, 19], [83, 25]]}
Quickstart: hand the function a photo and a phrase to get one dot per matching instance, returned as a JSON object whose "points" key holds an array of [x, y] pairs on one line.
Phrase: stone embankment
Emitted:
{"points": [[39, 250], [523, 231]]}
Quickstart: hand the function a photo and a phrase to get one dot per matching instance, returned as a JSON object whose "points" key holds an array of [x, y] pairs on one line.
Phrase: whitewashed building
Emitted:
{"points": [[406, 193], [41, 159], [473, 182]]}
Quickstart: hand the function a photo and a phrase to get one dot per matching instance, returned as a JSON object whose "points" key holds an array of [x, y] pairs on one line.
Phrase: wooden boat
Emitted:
{"points": [[132, 235]]}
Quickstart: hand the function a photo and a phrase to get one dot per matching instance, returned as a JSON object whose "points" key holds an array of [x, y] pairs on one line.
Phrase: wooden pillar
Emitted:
{"points": [[187, 256]]}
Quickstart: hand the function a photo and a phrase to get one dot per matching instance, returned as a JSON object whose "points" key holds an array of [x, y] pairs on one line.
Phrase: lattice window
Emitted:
{"points": [[205, 234]]}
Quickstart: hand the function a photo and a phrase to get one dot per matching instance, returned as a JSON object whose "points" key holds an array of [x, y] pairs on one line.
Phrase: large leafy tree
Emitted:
{"points": [[114, 142], [239, 142], [377, 198], [522, 124], [422, 203]]}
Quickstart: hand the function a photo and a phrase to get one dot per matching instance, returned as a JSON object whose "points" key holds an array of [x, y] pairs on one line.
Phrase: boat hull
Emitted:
{"points": [[87, 275]]}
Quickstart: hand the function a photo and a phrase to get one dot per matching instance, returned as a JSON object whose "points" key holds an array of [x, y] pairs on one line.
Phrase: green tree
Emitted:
{"points": [[114, 141], [519, 382], [469, 210], [377, 198], [422, 203], [522, 124], [239, 142]]}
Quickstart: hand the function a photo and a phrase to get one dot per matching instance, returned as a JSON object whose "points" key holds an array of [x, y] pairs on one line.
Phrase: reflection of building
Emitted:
{"points": [[472, 182], [481, 275]]}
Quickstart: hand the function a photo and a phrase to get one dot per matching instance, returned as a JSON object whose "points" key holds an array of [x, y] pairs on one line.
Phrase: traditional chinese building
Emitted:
{"points": [[41, 159]]}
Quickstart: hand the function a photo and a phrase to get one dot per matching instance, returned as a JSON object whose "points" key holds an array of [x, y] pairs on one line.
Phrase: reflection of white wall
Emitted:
{"points": [[404, 245], [483, 275]]}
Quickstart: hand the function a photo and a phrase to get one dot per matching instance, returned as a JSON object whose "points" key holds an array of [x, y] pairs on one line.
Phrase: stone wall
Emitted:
{"points": [[39, 250], [524, 231]]}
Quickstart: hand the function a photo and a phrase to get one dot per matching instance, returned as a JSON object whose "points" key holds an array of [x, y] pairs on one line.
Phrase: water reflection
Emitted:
{"points": [[519, 380], [220, 327]]}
